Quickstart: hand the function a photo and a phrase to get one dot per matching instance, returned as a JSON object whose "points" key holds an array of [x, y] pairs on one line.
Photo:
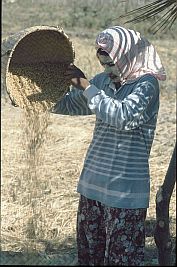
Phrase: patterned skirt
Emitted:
{"points": [[109, 236]]}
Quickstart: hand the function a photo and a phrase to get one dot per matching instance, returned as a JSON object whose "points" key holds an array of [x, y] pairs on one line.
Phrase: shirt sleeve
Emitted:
{"points": [[133, 111], [73, 103]]}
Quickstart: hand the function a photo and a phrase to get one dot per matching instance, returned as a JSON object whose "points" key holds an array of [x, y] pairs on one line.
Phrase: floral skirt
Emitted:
{"points": [[109, 236]]}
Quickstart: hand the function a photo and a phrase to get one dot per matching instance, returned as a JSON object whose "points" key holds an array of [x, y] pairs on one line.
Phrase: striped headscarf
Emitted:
{"points": [[132, 53]]}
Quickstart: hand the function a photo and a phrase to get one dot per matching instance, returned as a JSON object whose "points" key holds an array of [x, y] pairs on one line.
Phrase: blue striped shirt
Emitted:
{"points": [[116, 167]]}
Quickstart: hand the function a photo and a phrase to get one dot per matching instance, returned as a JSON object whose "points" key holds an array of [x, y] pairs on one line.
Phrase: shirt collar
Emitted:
{"points": [[112, 85]]}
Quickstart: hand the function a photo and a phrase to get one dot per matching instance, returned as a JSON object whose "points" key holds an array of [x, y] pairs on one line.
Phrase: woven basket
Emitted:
{"points": [[33, 63]]}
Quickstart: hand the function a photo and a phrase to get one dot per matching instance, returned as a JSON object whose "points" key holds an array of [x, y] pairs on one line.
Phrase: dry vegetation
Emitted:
{"points": [[38, 195]]}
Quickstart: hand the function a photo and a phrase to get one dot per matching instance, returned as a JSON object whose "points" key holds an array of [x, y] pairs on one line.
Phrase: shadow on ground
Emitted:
{"points": [[19, 258], [66, 255], [52, 255]]}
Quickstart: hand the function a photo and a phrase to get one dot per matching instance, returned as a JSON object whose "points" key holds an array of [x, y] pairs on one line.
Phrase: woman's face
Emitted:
{"points": [[110, 68]]}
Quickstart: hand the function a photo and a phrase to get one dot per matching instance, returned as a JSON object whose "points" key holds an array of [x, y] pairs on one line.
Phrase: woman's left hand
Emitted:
{"points": [[77, 77]]}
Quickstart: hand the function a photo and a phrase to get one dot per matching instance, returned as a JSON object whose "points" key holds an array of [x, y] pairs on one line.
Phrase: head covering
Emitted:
{"points": [[132, 53]]}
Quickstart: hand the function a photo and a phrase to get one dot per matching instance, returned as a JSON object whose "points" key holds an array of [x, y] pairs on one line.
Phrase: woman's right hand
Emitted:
{"points": [[77, 77]]}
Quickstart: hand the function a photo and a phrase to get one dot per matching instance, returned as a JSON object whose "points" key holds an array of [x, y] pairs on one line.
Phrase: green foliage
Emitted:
{"points": [[87, 16]]}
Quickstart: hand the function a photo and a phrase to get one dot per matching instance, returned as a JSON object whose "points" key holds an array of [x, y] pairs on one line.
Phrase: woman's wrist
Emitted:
{"points": [[80, 83]]}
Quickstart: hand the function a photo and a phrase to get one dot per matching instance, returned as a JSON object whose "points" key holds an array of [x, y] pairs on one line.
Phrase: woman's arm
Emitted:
{"points": [[133, 111], [74, 102]]}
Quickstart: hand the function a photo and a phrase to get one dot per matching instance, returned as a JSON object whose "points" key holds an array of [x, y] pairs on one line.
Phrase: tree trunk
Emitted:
{"points": [[162, 232]]}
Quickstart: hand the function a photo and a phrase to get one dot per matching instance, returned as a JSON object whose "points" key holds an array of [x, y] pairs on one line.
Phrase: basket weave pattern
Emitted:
{"points": [[35, 67]]}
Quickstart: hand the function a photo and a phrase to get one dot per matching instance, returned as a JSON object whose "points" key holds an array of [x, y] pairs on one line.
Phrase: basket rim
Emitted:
{"points": [[27, 31], [22, 33], [30, 30]]}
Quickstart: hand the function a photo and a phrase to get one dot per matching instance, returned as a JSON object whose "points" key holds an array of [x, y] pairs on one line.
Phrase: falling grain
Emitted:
{"points": [[35, 88]]}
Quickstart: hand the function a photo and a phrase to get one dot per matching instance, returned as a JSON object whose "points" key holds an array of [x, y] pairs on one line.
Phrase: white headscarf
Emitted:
{"points": [[133, 54]]}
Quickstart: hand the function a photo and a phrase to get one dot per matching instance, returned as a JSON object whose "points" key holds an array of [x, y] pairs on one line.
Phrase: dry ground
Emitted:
{"points": [[42, 231]]}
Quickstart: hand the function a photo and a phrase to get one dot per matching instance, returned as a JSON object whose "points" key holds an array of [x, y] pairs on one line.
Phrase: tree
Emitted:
{"points": [[161, 232], [153, 9]]}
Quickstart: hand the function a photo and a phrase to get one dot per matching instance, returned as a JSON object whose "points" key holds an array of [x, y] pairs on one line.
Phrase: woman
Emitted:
{"points": [[114, 184]]}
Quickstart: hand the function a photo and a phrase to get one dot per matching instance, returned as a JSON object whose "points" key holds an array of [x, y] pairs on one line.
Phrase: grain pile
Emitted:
{"points": [[37, 87]]}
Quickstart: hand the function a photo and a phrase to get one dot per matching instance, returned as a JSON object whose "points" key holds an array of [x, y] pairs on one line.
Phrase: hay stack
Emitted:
{"points": [[34, 61]]}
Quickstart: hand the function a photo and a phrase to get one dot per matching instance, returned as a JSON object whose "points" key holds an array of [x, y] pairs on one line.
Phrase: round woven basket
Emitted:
{"points": [[33, 63]]}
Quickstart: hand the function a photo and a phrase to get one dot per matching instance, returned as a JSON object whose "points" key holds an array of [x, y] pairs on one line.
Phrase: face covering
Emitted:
{"points": [[132, 54], [109, 67]]}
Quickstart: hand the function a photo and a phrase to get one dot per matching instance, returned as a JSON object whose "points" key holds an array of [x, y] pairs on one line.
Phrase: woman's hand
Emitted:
{"points": [[77, 77]]}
